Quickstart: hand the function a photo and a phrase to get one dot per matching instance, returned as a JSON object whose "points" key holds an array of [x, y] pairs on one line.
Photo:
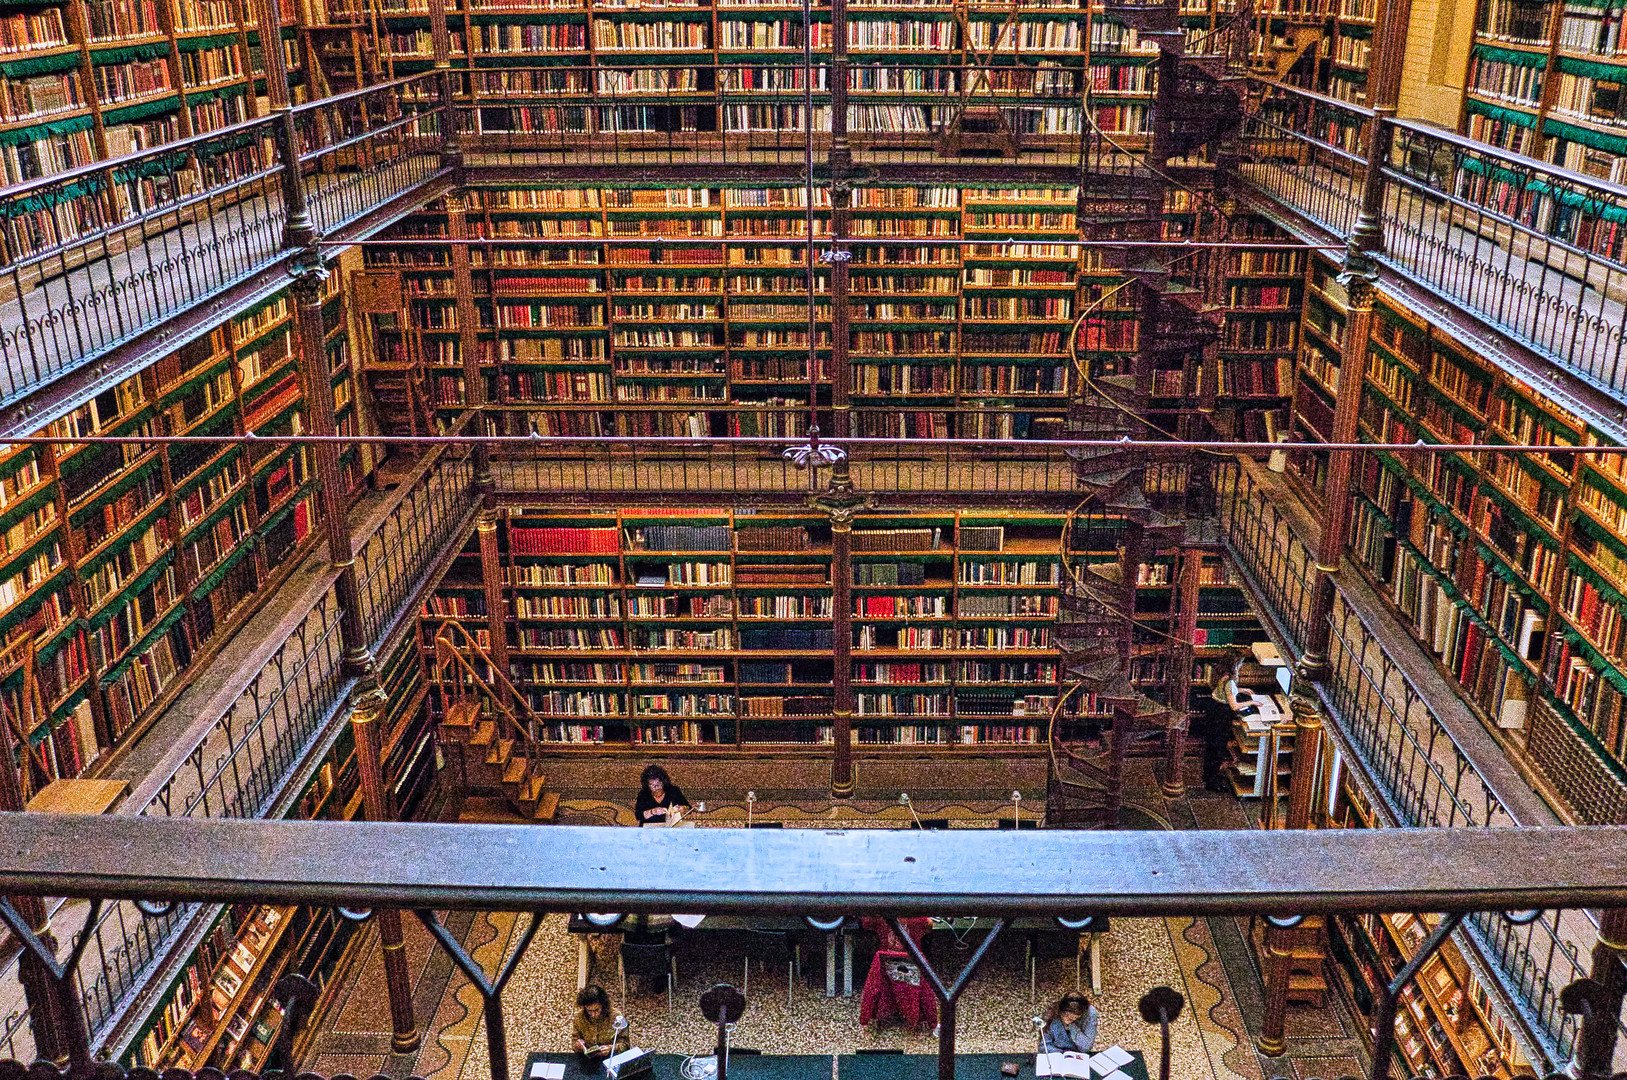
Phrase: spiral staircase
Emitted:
{"points": [[1134, 507]]}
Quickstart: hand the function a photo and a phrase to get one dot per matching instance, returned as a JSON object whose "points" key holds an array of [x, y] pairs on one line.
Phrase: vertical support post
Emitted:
{"points": [[841, 376], [1280, 941], [317, 385], [841, 610], [1358, 279], [51, 1004], [491, 575], [441, 42], [298, 229], [1179, 678], [1383, 93], [463, 288], [1596, 1043], [841, 205], [365, 709]]}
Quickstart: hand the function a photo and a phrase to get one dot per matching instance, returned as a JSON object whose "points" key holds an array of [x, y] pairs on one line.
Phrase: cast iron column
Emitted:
{"points": [[841, 204], [840, 503], [358, 658], [56, 1037], [1596, 1043], [1358, 282], [1178, 680], [365, 709], [317, 384], [298, 229], [1278, 957]]}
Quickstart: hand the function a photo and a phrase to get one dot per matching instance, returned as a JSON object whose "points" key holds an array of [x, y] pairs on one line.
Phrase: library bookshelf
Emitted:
{"points": [[710, 630], [1449, 1021], [1509, 569], [711, 337], [124, 565]]}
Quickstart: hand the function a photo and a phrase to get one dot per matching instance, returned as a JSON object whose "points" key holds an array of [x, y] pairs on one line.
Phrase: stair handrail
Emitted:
{"points": [[449, 652]]}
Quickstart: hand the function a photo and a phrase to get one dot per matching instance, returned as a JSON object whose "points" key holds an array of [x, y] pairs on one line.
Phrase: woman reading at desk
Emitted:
{"points": [[1071, 1025], [594, 1034], [660, 801]]}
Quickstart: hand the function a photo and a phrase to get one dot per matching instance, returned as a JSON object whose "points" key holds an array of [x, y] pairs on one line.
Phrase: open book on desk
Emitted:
{"points": [[1107, 1065]]}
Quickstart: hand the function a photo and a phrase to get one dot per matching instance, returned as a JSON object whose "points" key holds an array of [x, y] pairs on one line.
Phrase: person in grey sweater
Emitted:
{"points": [[1071, 1025]]}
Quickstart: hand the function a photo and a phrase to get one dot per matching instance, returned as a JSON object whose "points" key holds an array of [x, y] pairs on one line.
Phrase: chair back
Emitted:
{"points": [[646, 960]]}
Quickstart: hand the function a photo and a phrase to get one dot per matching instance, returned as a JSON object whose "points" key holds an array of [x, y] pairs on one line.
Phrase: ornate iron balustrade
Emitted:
{"points": [[1534, 248], [1426, 779], [358, 867], [257, 733], [99, 254]]}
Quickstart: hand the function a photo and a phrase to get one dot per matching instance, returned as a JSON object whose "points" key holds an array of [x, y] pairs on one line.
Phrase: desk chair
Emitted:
{"points": [[1059, 945], [653, 960], [778, 947]]}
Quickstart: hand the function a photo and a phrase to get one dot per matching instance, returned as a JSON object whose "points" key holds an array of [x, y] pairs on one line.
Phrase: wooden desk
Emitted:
{"points": [[967, 1066], [80, 796]]}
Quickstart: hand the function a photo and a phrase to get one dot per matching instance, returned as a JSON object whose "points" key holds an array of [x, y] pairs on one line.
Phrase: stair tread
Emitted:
{"points": [[485, 732], [500, 752], [514, 771], [547, 807], [461, 714]]}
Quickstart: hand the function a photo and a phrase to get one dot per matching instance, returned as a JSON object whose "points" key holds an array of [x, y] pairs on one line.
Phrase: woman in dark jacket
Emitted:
{"points": [[660, 801]]}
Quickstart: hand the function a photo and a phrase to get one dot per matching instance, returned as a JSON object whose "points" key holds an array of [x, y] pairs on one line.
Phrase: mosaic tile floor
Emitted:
{"points": [[1207, 960]]}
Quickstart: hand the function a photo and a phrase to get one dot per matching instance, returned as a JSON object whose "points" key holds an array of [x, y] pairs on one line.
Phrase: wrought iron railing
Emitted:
{"points": [[101, 253], [1427, 780], [1275, 872], [1534, 248], [250, 738]]}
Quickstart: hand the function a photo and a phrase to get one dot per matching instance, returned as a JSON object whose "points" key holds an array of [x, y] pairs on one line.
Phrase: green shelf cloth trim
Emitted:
{"points": [[528, 18], [1531, 525], [142, 111], [1356, 31], [123, 54], [1593, 69], [39, 131], [1498, 112], [1584, 202], [80, 516], [135, 528], [39, 65], [142, 580], [152, 635], [1603, 4], [16, 511], [204, 374], [200, 97], [1597, 661], [1598, 140], [1496, 172], [30, 605], [207, 522], [15, 562], [1517, 57], [64, 710], [1605, 589], [287, 508], [226, 565], [1462, 602], [214, 41]]}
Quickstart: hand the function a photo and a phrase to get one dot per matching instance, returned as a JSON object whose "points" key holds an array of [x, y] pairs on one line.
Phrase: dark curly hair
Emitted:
{"points": [[654, 772], [593, 994], [1078, 1003]]}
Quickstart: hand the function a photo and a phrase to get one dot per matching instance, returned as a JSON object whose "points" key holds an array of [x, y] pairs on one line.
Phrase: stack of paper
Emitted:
{"points": [[1107, 1065]]}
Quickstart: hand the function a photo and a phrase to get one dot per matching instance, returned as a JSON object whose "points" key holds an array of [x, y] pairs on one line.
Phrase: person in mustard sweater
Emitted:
{"points": [[593, 1033]]}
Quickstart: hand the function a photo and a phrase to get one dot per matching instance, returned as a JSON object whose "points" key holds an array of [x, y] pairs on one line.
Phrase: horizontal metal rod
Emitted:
{"points": [[805, 871], [798, 241], [905, 446]]}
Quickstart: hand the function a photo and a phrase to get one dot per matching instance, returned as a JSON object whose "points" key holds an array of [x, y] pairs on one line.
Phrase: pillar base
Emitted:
{"points": [[406, 1044], [1271, 1047], [841, 791], [1173, 789]]}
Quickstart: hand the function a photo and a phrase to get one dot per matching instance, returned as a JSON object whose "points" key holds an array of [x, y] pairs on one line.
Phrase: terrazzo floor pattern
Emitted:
{"points": [[1206, 959]]}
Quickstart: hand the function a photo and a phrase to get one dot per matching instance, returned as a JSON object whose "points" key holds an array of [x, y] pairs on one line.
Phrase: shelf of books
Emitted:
{"points": [[711, 338], [125, 562], [1260, 335], [92, 79], [1449, 1023], [713, 628], [1325, 314], [687, 71], [1508, 568]]}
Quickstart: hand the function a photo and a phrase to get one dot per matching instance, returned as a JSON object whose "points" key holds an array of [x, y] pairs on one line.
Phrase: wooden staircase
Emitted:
{"points": [[1307, 949], [486, 715]]}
